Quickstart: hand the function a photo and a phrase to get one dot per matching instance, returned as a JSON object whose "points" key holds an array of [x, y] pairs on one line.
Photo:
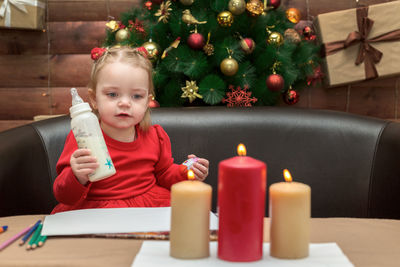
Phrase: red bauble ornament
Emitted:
{"points": [[196, 41], [275, 3], [247, 45], [275, 82], [291, 97], [154, 104], [308, 33]]}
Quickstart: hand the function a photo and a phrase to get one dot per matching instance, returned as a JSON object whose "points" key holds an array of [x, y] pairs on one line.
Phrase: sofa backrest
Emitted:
{"points": [[349, 161]]}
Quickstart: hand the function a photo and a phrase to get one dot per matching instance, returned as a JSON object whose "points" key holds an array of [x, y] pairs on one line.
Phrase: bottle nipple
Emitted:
{"points": [[76, 99]]}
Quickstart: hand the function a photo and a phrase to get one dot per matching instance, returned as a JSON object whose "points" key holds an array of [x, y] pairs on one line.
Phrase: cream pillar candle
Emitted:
{"points": [[190, 219], [290, 212]]}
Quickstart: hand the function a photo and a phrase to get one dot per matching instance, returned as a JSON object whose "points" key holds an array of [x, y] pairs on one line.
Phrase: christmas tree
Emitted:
{"points": [[217, 52]]}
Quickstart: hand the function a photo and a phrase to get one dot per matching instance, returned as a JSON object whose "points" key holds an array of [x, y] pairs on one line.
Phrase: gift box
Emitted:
{"points": [[23, 14], [361, 43]]}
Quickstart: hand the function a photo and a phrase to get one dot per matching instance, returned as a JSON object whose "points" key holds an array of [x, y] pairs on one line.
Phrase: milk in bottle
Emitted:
{"points": [[87, 132]]}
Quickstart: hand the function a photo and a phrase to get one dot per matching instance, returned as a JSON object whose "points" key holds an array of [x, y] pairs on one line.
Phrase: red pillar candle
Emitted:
{"points": [[241, 207]]}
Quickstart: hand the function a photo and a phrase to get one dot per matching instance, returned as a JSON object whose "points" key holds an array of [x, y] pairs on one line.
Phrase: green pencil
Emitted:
{"points": [[42, 239], [35, 236]]}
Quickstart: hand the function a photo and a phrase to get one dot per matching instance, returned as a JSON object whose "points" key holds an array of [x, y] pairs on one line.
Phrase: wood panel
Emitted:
{"points": [[36, 101], [77, 10], [32, 70], [23, 42], [61, 99], [24, 71], [329, 98], [375, 98], [23, 103], [324, 6], [76, 37], [70, 70], [88, 10], [62, 38], [9, 124], [116, 7]]}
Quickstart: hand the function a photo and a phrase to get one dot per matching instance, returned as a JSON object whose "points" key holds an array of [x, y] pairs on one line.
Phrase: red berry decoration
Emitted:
{"points": [[196, 41], [275, 82], [148, 5], [275, 3], [291, 97]]}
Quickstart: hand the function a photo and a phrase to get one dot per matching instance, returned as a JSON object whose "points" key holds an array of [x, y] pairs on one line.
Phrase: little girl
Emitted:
{"points": [[120, 90]]}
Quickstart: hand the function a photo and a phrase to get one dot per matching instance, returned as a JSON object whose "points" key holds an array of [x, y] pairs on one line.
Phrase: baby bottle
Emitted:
{"points": [[87, 132]]}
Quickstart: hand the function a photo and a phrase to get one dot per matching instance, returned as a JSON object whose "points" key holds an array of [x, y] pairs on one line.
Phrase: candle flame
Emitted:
{"points": [[190, 175], [241, 150], [286, 174]]}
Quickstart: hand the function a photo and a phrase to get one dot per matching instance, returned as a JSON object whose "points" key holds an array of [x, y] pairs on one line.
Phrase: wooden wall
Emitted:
{"points": [[38, 68]]}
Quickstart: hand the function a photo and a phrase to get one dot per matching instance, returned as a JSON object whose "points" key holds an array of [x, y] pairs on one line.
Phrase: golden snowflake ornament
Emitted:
{"points": [[164, 12], [190, 91]]}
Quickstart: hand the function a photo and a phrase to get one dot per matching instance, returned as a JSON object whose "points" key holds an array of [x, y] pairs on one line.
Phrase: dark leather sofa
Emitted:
{"points": [[351, 162]]}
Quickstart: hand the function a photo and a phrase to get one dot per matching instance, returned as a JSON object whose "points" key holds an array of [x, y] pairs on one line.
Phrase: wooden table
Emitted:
{"points": [[366, 242]]}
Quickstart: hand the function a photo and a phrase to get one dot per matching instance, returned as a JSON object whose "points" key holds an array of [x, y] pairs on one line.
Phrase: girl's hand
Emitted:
{"points": [[200, 168], [82, 164]]}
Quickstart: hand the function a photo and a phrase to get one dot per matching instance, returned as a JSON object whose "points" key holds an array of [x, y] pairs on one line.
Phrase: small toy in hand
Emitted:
{"points": [[189, 162]]}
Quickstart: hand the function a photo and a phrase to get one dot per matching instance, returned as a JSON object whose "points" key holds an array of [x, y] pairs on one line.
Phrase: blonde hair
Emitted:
{"points": [[128, 55]]}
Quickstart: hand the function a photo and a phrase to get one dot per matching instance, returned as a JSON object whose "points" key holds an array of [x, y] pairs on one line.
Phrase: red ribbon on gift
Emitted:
{"points": [[367, 53]]}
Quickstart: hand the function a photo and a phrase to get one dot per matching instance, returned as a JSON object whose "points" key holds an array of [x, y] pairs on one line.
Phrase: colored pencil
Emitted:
{"points": [[26, 237], [42, 239], [34, 237], [15, 237], [3, 228]]}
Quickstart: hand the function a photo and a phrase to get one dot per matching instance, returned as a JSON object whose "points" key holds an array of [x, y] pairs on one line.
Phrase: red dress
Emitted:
{"points": [[145, 173]]}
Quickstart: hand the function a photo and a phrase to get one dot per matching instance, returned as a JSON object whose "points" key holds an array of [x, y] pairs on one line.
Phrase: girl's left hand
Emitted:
{"points": [[200, 168]]}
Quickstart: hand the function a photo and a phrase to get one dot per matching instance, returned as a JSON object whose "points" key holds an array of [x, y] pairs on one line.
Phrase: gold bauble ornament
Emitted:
{"points": [[186, 2], [275, 38], [255, 7], [122, 35], [229, 66], [237, 7], [225, 19], [112, 25], [293, 15], [292, 35], [153, 50]]}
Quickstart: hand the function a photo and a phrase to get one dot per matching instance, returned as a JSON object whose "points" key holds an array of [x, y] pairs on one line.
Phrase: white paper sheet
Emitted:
{"points": [[156, 253], [115, 220]]}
